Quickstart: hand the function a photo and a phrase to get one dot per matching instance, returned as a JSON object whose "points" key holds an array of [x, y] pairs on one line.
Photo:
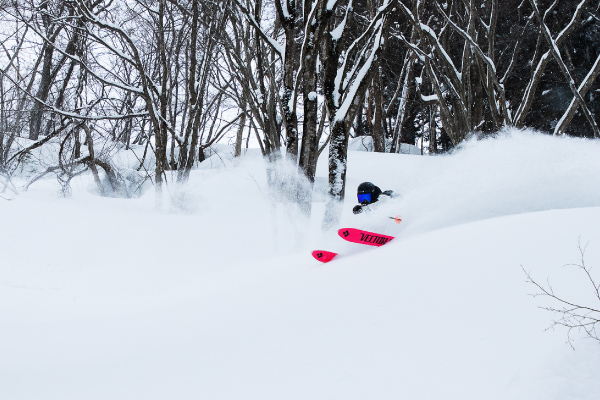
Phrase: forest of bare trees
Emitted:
{"points": [[86, 77]]}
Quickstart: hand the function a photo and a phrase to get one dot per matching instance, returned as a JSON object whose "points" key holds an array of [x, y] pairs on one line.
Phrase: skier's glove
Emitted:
{"points": [[357, 209]]}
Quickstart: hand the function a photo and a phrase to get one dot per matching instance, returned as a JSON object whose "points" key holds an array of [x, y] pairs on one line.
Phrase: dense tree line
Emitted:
{"points": [[177, 75]]}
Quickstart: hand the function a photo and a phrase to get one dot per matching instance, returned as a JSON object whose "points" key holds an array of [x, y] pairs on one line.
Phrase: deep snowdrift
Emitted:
{"points": [[215, 296], [516, 173]]}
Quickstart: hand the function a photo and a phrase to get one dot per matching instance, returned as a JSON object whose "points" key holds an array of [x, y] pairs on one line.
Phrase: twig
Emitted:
{"points": [[572, 315]]}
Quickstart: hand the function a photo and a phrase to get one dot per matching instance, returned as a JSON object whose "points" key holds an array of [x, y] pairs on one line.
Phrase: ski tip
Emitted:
{"points": [[323, 255]]}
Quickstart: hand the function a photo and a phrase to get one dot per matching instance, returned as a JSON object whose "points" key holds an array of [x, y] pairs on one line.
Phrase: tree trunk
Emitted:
{"points": [[377, 123], [287, 11], [160, 130], [92, 163], [338, 154], [35, 123], [406, 79], [240, 132], [309, 82]]}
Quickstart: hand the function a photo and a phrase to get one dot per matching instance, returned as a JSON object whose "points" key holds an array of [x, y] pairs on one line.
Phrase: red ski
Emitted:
{"points": [[323, 256], [355, 236], [358, 236]]}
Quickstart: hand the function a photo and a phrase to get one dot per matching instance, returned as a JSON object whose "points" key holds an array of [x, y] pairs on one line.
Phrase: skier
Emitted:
{"points": [[368, 194]]}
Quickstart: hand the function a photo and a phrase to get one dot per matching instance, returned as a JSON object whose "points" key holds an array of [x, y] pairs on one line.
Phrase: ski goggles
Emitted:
{"points": [[364, 197]]}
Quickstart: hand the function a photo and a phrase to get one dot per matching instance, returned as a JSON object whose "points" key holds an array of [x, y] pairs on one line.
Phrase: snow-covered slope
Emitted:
{"points": [[216, 296]]}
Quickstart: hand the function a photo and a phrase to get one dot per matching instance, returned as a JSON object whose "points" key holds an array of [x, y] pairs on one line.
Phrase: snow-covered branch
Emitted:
{"points": [[558, 58], [583, 89], [278, 48], [534, 81]]}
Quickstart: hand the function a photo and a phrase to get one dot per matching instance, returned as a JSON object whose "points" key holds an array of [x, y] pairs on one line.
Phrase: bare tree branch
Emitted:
{"points": [[572, 315]]}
